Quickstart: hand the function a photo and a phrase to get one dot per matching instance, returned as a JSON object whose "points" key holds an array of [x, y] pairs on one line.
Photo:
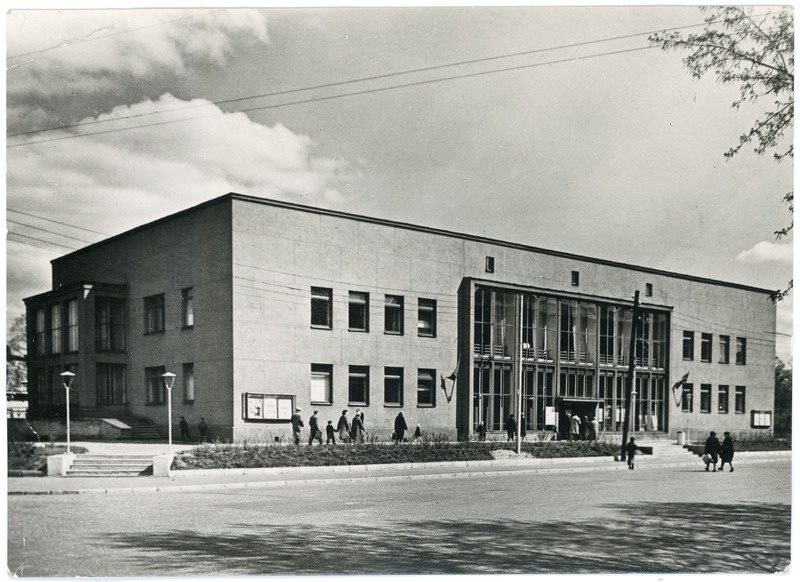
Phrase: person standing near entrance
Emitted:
{"points": [[203, 428], [574, 427], [522, 432], [185, 436], [481, 430], [594, 428], [511, 428]]}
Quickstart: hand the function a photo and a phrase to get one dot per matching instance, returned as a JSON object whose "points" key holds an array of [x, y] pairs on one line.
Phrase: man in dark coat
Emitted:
{"points": [[400, 427], [726, 454], [343, 427], [185, 436], [631, 449], [297, 422], [357, 429], [313, 427], [712, 449], [511, 428]]}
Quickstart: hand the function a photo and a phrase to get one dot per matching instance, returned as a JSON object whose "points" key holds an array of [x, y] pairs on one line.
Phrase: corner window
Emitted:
{"points": [[188, 383], [426, 387], [72, 325], [687, 397], [187, 307], [321, 307], [576, 278], [724, 349], [426, 324], [358, 311], [739, 400], [154, 314], [109, 315], [154, 384], [41, 334], [321, 384], [55, 328], [688, 345], [358, 386], [705, 397], [393, 314], [741, 351], [705, 347], [722, 401], [393, 387]]}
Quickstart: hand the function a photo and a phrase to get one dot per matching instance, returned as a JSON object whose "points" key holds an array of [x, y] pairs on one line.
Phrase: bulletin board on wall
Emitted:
{"points": [[267, 407]]}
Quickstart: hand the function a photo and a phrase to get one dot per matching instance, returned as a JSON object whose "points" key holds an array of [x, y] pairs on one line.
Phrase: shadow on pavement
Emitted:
{"points": [[641, 538]]}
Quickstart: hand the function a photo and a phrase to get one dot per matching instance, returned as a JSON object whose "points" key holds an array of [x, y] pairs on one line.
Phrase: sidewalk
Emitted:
{"points": [[220, 479]]}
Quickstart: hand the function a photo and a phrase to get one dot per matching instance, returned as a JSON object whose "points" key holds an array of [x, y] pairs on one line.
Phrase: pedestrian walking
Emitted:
{"points": [[574, 427], [631, 449], [331, 433], [357, 429], [343, 427], [203, 429], [726, 451], [297, 423], [511, 428], [400, 427], [711, 451], [481, 430], [417, 435], [185, 436], [313, 428]]}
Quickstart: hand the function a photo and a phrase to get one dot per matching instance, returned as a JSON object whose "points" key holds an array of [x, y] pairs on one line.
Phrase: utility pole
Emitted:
{"points": [[631, 370], [520, 375]]}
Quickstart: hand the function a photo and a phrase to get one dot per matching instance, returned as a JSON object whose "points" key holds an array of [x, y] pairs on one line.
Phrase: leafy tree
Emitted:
{"points": [[783, 399], [16, 348], [755, 53]]}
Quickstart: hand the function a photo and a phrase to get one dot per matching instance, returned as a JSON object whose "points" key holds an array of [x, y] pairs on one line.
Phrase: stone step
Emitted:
{"points": [[120, 473]]}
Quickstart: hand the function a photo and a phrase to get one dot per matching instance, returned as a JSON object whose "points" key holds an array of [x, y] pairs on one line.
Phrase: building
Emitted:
{"points": [[261, 306]]}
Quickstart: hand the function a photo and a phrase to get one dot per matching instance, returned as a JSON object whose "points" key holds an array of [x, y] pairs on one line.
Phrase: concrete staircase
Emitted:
{"points": [[141, 430], [111, 466]]}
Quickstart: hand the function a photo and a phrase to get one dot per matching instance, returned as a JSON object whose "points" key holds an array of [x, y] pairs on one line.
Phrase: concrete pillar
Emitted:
{"points": [[162, 464], [58, 465]]}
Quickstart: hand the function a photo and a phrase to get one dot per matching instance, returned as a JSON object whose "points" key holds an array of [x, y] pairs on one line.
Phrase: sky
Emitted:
{"points": [[561, 128]]}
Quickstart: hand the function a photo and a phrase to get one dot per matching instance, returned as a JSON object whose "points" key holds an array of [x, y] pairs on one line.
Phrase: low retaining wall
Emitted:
{"points": [[47, 430]]}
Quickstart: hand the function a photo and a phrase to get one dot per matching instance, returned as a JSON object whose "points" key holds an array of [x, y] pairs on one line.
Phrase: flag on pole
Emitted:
{"points": [[676, 388]]}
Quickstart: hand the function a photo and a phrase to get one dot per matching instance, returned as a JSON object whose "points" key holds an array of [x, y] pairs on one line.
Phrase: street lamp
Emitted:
{"points": [[66, 381], [169, 380]]}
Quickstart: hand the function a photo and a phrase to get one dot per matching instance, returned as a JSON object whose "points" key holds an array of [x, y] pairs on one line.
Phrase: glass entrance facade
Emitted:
{"points": [[566, 355]]}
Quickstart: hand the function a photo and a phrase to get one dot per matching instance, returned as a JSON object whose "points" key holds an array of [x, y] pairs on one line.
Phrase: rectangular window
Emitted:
{"points": [[705, 347], [393, 386], [648, 289], [358, 386], [761, 418], [154, 384], [490, 264], [188, 383], [705, 397], [426, 387], [41, 334], [55, 329], [154, 314], [576, 278], [426, 324], [322, 307], [72, 325], [687, 397], [722, 400], [393, 312], [358, 311], [110, 322], [741, 351], [111, 385], [688, 345], [187, 307], [321, 384], [739, 403], [724, 349]]}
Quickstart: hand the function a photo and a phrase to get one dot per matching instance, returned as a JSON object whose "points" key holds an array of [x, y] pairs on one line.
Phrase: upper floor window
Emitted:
{"points": [[154, 384], [688, 345], [724, 349], [358, 311], [741, 351], [41, 334], [321, 307], [393, 314], [55, 328], [110, 323], [426, 324], [154, 314], [490, 264], [705, 347], [358, 386], [426, 387], [648, 289], [393, 386], [321, 383], [705, 397], [187, 307], [72, 325], [576, 278], [739, 400], [188, 383]]}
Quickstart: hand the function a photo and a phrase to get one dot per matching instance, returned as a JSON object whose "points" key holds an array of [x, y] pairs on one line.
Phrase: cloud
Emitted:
{"points": [[765, 252]]}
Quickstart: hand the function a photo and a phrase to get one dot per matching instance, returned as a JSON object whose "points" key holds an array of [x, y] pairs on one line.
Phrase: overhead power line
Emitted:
{"points": [[55, 221], [47, 242], [48, 231]]}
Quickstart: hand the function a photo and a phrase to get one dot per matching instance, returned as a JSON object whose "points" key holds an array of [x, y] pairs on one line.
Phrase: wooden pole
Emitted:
{"points": [[631, 371]]}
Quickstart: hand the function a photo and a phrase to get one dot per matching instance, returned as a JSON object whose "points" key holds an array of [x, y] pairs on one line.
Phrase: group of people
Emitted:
{"points": [[347, 431], [715, 451], [202, 428], [583, 428]]}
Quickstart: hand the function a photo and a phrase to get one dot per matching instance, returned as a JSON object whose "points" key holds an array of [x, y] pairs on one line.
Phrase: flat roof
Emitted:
{"points": [[417, 228]]}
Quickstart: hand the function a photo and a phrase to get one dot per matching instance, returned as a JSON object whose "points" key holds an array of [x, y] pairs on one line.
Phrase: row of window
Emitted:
{"points": [[358, 305], [359, 389], [723, 398], [156, 389], [706, 348], [154, 311], [57, 328]]}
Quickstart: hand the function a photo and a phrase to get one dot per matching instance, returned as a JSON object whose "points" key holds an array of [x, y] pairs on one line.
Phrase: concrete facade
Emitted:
{"points": [[251, 265]]}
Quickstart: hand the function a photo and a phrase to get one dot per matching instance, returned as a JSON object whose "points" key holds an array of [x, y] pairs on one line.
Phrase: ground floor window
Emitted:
{"points": [[321, 383], [393, 386], [426, 387], [155, 384], [111, 386]]}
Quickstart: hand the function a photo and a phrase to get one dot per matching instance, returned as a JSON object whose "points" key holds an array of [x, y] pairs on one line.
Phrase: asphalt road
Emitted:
{"points": [[666, 520]]}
